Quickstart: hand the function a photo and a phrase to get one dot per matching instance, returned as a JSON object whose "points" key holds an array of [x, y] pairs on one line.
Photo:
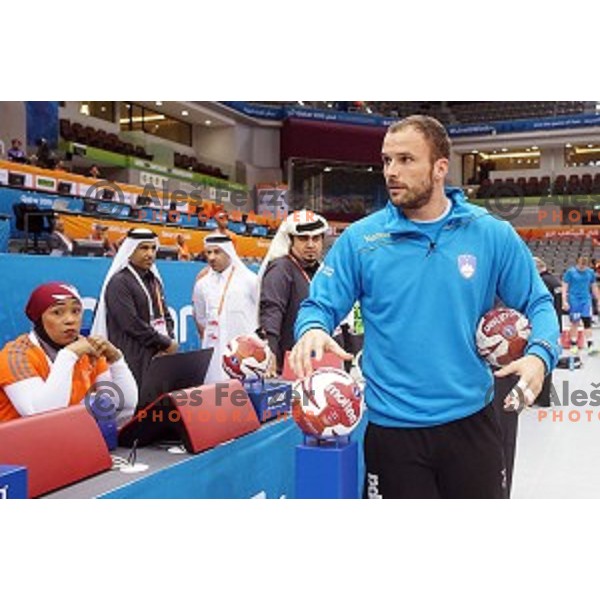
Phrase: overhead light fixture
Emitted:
{"points": [[327, 169], [143, 119], [158, 103], [208, 122], [568, 145], [184, 113], [300, 102], [534, 148]]}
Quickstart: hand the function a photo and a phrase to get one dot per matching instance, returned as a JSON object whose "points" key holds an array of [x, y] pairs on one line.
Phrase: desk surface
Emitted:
{"points": [[260, 464]]}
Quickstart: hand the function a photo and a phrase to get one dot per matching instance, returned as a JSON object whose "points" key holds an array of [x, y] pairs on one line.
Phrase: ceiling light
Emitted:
{"points": [[208, 122], [158, 103], [534, 148], [184, 113], [327, 169], [568, 145]]}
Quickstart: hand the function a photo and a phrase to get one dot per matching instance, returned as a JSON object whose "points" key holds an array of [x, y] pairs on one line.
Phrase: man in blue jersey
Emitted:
{"points": [[425, 269], [579, 283]]}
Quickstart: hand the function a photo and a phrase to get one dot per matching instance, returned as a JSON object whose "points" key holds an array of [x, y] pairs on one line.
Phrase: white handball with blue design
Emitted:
{"points": [[502, 336], [327, 404], [246, 357]]}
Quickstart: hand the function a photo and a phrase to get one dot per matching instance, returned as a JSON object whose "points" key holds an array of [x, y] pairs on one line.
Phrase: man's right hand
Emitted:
{"points": [[312, 345]]}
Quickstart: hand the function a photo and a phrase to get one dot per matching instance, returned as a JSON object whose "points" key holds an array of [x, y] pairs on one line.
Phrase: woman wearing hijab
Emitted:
{"points": [[53, 366]]}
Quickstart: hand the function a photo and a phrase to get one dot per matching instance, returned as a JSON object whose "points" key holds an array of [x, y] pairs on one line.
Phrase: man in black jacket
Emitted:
{"points": [[293, 259]]}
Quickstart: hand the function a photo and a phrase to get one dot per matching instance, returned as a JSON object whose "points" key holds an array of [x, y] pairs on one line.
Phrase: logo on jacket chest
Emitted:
{"points": [[467, 265]]}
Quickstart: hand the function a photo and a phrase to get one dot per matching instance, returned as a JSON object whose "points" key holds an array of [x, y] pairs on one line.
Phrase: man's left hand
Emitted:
{"points": [[532, 371]]}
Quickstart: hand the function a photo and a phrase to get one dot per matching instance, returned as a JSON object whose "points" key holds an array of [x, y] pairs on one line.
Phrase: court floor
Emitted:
{"points": [[558, 448]]}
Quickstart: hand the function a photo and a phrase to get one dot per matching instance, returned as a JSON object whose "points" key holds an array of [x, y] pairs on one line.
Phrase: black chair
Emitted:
{"points": [[31, 220]]}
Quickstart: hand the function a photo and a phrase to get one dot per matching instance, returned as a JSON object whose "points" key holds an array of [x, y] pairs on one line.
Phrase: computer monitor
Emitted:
{"points": [[142, 201], [16, 179], [108, 194], [64, 187], [166, 374], [167, 253], [88, 248]]}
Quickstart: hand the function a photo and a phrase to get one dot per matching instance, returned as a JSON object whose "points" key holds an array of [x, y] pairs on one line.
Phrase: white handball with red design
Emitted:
{"points": [[502, 336], [246, 357], [327, 404]]}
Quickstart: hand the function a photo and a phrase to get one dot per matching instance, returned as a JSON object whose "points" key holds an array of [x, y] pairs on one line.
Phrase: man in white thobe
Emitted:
{"points": [[225, 301]]}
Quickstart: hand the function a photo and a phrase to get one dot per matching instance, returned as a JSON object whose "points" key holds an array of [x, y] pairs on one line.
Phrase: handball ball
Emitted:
{"points": [[246, 356], [502, 336], [327, 404]]}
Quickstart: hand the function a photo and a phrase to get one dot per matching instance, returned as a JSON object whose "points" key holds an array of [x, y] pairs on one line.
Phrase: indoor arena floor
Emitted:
{"points": [[558, 448]]}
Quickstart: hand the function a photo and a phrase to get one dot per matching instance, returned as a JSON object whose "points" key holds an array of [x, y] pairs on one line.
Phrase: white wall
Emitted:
{"points": [[215, 146], [71, 111], [13, 123], [257, 150]]}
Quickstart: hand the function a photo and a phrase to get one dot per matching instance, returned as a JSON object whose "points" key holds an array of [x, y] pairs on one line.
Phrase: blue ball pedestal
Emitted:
{"points": [[270, 400], [327, 469], [13, 482]]}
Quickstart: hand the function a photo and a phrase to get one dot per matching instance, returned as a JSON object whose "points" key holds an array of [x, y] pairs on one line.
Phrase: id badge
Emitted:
{"points": [[160, 326], [211, 333]]}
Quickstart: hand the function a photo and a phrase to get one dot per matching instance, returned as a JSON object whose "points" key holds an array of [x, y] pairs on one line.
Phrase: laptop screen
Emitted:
{"points": [[166, 374]]}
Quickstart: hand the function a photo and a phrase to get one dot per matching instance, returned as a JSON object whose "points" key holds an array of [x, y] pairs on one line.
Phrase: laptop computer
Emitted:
{"points": [[166, 374]]}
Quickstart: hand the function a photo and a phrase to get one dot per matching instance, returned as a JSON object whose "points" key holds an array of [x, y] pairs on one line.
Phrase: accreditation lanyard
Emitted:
{"points": [[224, 293], [145, 289], [295, 261], [211, 332]]}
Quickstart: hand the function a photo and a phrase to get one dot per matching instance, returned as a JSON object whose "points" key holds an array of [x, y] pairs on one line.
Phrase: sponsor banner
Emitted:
{"points": [[559, 232], [472, 129], [81, 227]]}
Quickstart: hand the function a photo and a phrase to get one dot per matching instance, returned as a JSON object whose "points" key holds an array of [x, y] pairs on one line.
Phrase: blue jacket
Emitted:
{"points": [[421, 302]]}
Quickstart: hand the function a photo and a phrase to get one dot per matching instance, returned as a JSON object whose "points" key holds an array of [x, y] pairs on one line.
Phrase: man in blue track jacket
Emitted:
{"points": [[425, 269]]}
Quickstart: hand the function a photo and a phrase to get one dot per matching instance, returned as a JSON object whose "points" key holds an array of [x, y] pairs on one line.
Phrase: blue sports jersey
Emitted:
{"points": [[579, 283], [423, 290]]}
